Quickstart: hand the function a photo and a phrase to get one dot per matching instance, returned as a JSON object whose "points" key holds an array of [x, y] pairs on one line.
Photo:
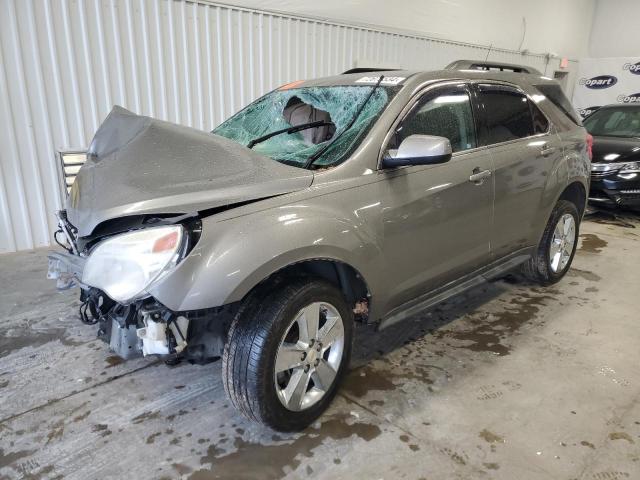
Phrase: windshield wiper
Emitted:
{"points": [[294, 129], [316, 155]]}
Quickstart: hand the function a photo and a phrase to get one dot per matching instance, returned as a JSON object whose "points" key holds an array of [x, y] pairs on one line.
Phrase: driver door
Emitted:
{"points": [[436, 219]]}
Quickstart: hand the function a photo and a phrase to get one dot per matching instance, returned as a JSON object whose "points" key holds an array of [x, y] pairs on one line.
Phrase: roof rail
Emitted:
{"points": [[480, 65], [368, 69]]}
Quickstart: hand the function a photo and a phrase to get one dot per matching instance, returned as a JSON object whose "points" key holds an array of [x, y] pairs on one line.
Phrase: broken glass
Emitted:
{"points": [[337, 105]]}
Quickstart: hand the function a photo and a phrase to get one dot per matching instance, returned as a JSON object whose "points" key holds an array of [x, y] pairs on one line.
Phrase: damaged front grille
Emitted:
{"points": [[141, 328], [144, 327], [149, 328]]}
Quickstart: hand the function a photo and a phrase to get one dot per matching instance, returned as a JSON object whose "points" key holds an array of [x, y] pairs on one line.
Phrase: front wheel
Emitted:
{"points": [[287, 350], [557, 247]]}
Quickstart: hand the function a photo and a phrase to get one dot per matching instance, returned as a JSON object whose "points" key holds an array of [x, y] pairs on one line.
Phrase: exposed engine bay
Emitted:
{"points": [[143, 327], [149, 328]]}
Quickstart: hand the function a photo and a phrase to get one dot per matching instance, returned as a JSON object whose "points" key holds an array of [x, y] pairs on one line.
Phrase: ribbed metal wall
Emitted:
{"points": [[64, 63]]}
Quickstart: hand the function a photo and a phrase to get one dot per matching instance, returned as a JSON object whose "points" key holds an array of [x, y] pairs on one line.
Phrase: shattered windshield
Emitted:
{"points": [[320, 115]]}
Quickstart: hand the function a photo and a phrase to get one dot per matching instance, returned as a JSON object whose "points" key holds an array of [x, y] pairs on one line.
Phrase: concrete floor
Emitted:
{"points": [[509, 381]]}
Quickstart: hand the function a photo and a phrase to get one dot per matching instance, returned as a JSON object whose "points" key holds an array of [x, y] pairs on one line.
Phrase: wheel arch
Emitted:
{"points": [[339, 273], [575, 193]]}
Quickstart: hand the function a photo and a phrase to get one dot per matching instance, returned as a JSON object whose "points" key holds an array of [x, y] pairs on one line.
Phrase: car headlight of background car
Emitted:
{"points": [[629, 170], [125, 265]]}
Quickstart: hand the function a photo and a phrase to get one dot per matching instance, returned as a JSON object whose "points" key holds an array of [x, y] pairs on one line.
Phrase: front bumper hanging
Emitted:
{"points": [[66, 269]]}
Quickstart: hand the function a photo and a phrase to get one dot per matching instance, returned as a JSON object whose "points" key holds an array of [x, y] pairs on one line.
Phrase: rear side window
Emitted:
{"points": [[540, 122], [507, 114], [558, 98]]}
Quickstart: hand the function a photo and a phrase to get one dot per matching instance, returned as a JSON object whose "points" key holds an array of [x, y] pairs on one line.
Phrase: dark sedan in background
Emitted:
{"points": [[615, 167]]}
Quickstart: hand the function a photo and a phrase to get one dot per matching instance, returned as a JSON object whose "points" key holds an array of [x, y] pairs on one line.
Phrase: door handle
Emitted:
{"points": [[546, 150], [478, 177]]}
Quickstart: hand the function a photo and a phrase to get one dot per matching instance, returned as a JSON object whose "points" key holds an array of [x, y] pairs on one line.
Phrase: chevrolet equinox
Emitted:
{"points": [[366, 196]]}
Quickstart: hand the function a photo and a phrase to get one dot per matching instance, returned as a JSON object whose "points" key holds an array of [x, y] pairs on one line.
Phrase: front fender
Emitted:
{"points": [[233, 256]]}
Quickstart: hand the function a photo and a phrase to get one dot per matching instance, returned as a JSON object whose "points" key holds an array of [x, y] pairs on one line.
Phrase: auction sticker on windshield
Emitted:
{"points": [[385, 80]]}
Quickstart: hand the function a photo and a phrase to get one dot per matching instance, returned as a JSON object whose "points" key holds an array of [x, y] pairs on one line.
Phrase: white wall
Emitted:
{"points": [[65, 63], [615, 30], [558, 26]]}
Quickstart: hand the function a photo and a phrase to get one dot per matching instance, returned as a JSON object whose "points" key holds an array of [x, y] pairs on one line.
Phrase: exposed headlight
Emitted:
{"points": [[633, 167], [629, 170], [125, 265]]}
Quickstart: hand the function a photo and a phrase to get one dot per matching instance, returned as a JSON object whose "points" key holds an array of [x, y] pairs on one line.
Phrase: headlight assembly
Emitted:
{"points": [[629, 170], [124, 266], [632, 167]]}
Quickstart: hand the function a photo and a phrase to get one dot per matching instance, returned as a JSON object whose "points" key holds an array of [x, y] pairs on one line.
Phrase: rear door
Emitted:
{"points": [[524, 148]]}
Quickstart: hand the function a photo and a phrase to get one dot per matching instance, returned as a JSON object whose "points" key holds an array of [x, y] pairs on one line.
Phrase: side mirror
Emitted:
{"points": [[418, 150]]}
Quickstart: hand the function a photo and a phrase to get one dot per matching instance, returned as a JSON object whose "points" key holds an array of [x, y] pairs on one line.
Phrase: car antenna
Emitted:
{"points": [[316, 155]]}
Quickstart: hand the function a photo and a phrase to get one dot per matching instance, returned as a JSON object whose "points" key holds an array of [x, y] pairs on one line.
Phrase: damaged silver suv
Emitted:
{"points": [[361, 197]]}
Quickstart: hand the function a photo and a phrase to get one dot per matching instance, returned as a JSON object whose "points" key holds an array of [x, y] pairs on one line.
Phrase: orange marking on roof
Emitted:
{"points": [[288, 86]]}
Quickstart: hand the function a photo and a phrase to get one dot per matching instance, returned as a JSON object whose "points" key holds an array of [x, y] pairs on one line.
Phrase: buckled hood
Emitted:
{"points": [[139, 165]]}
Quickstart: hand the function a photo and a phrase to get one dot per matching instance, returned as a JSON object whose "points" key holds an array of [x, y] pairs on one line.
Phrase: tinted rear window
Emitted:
{"points": [[507, 114], [559, 99], [540, 122]]}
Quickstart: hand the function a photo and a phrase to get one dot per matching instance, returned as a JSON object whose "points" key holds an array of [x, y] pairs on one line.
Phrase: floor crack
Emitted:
{"points": [[56, 400], [372, 412]]}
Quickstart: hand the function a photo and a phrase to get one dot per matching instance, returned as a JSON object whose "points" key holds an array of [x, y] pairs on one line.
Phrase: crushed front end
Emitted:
{"points": [[115, 269]]}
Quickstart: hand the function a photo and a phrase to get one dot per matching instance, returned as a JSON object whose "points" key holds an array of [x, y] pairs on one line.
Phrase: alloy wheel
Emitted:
{"points": [[562, 243], [309, 356]]}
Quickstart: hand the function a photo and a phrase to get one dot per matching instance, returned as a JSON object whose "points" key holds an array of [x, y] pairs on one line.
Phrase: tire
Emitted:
{"points": [[265, 326], [540, 267]]}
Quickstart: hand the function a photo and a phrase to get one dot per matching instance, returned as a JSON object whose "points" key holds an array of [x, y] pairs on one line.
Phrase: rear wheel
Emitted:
{"points": [[557, 247], [287, 350]]}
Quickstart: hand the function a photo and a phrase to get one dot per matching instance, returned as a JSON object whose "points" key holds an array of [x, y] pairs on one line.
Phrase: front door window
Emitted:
{"points": [[444, 113]]}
